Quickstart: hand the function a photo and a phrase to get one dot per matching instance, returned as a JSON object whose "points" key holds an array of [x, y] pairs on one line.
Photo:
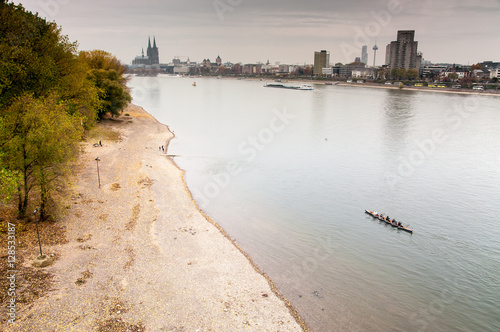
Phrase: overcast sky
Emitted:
{"points": [[289, 31]]}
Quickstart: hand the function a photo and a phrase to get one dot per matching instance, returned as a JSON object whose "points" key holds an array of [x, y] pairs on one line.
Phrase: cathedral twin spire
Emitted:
{"points": [[152, 52], [152, 55]]}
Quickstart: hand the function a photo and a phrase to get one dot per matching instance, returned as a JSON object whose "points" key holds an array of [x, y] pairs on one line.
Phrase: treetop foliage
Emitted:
{"points": [[107, 74], [98, 59], [34, 56]]}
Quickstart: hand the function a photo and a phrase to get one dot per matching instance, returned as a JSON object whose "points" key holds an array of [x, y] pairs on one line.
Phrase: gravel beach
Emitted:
{"points": [[141, 256]]}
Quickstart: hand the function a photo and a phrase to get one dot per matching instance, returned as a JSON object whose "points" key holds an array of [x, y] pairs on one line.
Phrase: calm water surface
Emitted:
{"points": [[288, 174]]}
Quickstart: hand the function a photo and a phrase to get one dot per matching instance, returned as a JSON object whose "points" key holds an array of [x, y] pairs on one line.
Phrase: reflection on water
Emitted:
{"points": [[298, 207], [399, 112]]}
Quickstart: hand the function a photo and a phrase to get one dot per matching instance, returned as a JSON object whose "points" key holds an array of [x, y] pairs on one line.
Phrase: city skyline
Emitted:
{"points": [[453, 31]]}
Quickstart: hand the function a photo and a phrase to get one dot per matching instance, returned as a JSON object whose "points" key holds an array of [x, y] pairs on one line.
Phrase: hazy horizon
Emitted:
{"points": [[451, 31]]}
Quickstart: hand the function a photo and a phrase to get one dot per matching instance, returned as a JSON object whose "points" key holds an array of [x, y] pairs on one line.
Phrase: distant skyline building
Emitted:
{"points": [[321, 60], [364, 54], [403, 52], [152, 55], [209, 64]]}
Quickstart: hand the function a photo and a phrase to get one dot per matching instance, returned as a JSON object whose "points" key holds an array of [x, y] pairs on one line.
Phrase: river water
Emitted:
{"points": [[288, 175]]}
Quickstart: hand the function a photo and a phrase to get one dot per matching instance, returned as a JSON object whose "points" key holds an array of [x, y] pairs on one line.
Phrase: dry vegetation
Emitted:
{"points": [[102, 133], [31, 282]]}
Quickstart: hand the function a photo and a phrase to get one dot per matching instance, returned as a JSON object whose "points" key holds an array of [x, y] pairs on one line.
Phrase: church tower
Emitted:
{"points": [[152, 52], [148, 51], [155, 55]]}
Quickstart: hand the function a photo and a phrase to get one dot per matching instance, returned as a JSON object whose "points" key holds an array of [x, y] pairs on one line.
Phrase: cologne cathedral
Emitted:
{"points": [[152, 56]]}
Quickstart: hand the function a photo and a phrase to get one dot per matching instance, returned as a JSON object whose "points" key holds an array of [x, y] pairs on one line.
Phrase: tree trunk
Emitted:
{"points": [[43, 195], [23, 202], [20, 203]]}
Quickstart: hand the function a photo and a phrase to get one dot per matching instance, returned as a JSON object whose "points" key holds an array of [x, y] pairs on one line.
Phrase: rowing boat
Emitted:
{"points": [[392, 222]]}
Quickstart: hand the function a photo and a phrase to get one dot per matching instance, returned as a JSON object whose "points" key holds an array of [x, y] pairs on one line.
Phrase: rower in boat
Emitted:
{"points": [[388, 220]]}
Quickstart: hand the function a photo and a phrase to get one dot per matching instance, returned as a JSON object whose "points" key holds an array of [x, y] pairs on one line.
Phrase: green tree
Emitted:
{"points": [[8, 179], [36, 58], [107, 74], [394, 73], [401, 73], [43, 138], [8, 184], [99, 59], [412, 74], [113, 95], [16, 156], [453, 76], [45, 102], [53, 145]]}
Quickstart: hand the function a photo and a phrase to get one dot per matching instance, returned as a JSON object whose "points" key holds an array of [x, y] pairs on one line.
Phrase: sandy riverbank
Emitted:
{"points": [[142, 257]]}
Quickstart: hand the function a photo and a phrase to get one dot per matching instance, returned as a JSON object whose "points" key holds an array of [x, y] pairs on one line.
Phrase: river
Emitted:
{"points": [[289, 173]]}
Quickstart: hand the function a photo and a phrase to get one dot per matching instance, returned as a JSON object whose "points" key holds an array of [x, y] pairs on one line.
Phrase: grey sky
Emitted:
{"points": [[457, 31]]}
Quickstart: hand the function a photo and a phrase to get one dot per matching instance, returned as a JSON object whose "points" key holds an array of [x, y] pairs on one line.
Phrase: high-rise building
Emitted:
{"points": [[364, 54], [321, 60], [403, 53]]}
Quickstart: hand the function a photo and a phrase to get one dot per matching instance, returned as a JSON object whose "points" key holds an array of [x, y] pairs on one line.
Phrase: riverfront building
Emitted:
{"points": [[321, 60], [403, 53]]}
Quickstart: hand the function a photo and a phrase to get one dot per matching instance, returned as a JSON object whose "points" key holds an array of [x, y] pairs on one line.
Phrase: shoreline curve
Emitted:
{"points": [[287, 303], [139, 254]]}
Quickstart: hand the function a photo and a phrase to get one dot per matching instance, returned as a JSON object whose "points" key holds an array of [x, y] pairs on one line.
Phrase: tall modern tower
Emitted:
{"points": [[321, 60], [364, 54], [403, 53], [375, 48]]}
